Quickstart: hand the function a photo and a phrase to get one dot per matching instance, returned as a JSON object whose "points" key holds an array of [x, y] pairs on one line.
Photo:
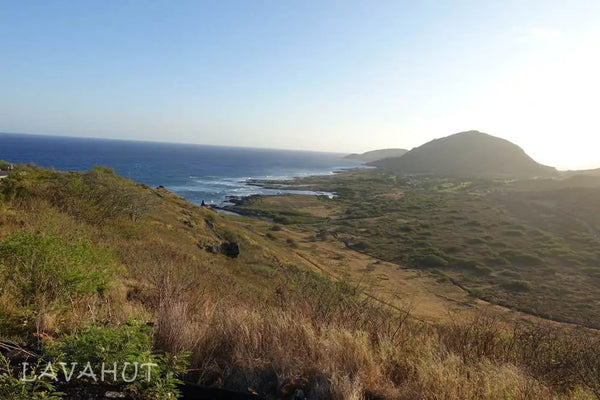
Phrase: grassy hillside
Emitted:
{"points": [[469, 153], [94, 266]]}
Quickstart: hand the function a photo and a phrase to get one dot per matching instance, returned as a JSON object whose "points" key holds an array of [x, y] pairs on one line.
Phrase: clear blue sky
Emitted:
{"points": [[342, 76]]}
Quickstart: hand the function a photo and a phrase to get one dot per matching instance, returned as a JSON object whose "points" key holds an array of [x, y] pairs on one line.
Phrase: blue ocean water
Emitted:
{"points": [[196, 172]]}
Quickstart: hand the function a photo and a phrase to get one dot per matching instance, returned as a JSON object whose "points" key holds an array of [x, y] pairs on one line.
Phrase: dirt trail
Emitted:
{"points": [[590, 228], [403, 289], [426, 298]]}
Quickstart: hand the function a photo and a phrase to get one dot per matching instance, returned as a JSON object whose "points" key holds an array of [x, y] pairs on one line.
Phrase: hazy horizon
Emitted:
{"points": [[322, 76]]}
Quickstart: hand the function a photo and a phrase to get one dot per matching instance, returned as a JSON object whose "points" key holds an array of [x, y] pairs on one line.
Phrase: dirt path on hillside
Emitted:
{"points": [[589, 228], [426, 298]]}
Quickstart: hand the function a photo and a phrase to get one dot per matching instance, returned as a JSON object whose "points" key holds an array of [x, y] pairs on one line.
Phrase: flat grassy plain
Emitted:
{"points": [[530, 246], [95, 266]]}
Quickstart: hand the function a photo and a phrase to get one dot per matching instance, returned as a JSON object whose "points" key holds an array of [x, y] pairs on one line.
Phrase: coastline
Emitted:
{"points": [[285, 187], [282, 187]]}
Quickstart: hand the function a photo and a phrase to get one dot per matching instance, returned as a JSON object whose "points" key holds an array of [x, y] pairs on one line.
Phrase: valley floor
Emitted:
{"points": [[487, 243]]}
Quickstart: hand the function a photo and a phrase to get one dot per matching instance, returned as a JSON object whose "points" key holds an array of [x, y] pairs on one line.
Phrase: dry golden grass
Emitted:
{"points": [[268, 321], [280, 350]]}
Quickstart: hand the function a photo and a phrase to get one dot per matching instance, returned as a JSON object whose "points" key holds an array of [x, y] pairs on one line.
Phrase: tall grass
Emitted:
{"points": [[329, 343]]}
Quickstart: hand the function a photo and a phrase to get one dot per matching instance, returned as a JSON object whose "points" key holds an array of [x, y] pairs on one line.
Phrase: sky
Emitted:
{"points": [[346, 76]]}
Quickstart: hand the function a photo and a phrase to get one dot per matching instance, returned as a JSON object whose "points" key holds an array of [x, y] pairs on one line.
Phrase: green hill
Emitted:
{"points": [[469, 153], [376, 155]]}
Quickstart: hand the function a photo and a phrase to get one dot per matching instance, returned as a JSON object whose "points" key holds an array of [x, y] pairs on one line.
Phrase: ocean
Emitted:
{"points": [[196, 172]]}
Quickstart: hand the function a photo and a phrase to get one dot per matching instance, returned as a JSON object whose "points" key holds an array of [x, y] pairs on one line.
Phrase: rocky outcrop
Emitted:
{"points": [[229, 249]]}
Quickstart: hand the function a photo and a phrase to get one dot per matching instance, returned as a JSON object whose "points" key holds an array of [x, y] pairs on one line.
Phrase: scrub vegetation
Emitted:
{"points": [[94, 266], [532, 246]]}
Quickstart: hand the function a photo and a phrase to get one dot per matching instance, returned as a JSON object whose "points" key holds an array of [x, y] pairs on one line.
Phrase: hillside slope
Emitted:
{"points": [[469, 153], [376, 155], [97, 267]]}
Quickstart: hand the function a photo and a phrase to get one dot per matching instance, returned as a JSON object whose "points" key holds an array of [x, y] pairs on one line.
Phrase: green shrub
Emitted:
{"points": [[496, 261], [522, 258], [475, 241], [230, 235], [46, 272], [428, 261], [13, 326], [452, 249], [360, 246], [473, 267], [517, 286], [282, 220], [513, 232], [472, 223], [466, 264], [97, 344], [322, 235], [483, 270], [406, 228], [128, 343], [16, 388], [270, 236], [510, 274]]}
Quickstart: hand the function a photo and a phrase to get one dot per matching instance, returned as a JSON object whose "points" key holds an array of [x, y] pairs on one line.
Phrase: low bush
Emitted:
{"points": [[230, 235], [496, 261], [46, 273], [157, 374], [360, 245], [517, 286], [519, 257], [428, 261], [513, 232], [17, 388], [282, 220], [270, 236], [475, 241]]}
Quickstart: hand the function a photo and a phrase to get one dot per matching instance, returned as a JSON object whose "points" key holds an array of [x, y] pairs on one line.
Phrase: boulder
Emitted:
{"points": [[230, 249], [209, 248]]}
